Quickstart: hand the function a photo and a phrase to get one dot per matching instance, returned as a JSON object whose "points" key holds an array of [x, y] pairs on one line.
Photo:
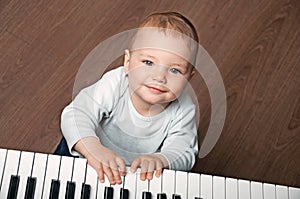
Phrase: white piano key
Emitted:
{"points": [[168, 182], [155, 186], [65, 174], [92, 180], [2, 161], [11, 168], [24, 172], [117, 189], [244, 189], [79, 175], [269, 191], [256, 190], [218, 187], [206, 186], [141, 186], [52, 172], [130, 184], [282, 192], [193, 185], [9, 160], [294, 193], [181, 184], [231, 188], [101, 187], [38, 171]]}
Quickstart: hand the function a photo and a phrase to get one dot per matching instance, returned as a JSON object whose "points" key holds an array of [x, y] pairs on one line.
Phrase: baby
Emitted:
{"points": [[140, 114]]}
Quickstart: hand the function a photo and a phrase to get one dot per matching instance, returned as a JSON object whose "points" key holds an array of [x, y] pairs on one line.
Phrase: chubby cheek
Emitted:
{"points": [[176, 86], [136, 78]]}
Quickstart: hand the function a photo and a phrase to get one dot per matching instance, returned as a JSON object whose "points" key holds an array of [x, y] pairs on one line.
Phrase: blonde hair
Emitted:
{"points": [[174, 21]]}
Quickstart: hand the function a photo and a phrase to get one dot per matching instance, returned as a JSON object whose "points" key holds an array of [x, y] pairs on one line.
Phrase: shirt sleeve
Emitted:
{"points": [[181, 144], [81, 117]]}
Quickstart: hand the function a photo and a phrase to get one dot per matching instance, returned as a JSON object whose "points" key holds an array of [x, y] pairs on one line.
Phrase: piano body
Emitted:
{"points": [[35, 175]]}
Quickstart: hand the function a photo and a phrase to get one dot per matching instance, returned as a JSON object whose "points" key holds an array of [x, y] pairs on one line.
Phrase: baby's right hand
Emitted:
{"points": [[102, 159]]}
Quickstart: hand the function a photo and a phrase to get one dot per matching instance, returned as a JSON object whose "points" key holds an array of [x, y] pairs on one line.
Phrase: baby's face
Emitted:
{"points": [[156, 76]]}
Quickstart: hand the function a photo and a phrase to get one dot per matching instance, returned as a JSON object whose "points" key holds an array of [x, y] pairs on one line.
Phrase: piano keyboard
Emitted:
{"points": [[34, 175]]}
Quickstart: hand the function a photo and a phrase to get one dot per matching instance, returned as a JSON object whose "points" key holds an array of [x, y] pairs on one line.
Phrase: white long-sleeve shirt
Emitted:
{"points": [[104, 110]]}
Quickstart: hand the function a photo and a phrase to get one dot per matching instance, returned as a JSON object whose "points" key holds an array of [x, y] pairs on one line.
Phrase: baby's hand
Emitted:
{"points": [[103, 160], [148, 164]]}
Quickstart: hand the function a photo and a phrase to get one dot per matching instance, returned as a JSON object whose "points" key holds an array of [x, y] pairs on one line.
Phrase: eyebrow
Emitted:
{"points": [[153, 57], [183, 65], [146, 55]]}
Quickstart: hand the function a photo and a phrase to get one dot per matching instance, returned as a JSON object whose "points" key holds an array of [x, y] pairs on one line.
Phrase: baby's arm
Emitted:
{"points": [[103, 160], [80, 121], [181, 144]]}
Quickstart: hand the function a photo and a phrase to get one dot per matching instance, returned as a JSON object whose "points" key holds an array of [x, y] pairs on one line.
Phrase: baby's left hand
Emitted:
{"points": [[148, 164]]}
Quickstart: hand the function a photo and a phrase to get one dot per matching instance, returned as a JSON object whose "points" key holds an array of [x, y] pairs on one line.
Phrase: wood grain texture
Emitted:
{"points": [[255, 45]]}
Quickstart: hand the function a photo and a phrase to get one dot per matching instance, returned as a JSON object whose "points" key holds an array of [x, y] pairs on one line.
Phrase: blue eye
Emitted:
{"points": [[148, 63], [175, 71]]}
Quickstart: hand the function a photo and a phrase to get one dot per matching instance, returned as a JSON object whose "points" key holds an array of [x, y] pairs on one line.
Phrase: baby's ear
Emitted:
{"points": [[192, 73], [126, 61]]}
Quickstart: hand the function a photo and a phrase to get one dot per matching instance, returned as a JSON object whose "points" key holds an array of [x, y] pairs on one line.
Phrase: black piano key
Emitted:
{"points": [[124, 193], [13, 187], [70, 191], [54, 189], [198, 198], [146, 195], [161, 196], [85, 191], [30, 188], [176, 196], [108, 193]]}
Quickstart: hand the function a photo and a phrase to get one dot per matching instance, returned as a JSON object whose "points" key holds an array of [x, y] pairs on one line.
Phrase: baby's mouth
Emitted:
{"points": [[155, 89]]}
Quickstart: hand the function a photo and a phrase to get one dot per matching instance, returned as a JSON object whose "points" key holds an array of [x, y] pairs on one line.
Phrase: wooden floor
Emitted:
{"points": [[255, 45]]}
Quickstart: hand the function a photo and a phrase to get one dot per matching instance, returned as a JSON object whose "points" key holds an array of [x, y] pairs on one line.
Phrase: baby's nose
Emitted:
{"points": [[159, 73]]}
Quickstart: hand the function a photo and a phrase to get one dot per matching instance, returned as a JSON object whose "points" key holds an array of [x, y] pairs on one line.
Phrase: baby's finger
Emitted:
{"points": [[144, 169], [122, 166], [109, 175], [115, 171], [150, 171], [159, 168], [100, 173], [135, 164]]}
